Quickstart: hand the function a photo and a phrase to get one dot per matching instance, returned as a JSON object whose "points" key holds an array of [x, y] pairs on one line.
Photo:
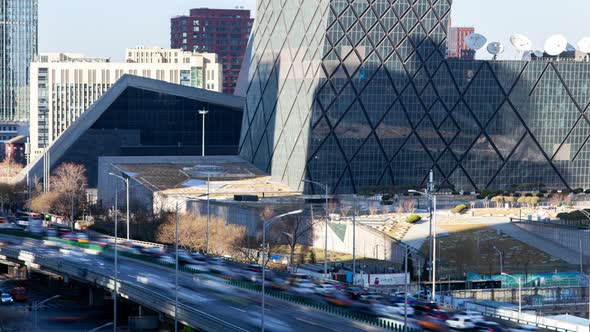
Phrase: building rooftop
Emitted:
{"points": [[17, 140], [229, 176]]}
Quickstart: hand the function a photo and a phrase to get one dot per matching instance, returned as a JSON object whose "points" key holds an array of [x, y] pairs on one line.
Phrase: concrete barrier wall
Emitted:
{"points": [[566, 236], [369, 242], [549, 294]]}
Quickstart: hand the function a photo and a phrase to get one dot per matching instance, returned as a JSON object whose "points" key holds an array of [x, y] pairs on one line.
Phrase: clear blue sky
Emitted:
{"points": [[107, 27], [537, 19]]}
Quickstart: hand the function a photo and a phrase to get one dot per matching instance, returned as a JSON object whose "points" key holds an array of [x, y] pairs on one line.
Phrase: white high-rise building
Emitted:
{"points": [[63, 86]]}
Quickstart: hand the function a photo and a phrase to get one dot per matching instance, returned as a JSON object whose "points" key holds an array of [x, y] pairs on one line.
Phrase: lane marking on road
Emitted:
{"points": [[314, 323], [238, 309]]}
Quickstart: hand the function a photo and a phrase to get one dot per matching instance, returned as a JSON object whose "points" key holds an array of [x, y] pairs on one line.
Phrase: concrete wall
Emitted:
{"points": [[549, 294], [369, 242], [566, 236]]}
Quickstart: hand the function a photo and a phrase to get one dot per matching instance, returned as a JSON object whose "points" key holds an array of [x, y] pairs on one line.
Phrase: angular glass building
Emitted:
{"points": [[18, 46], [358, 94]]}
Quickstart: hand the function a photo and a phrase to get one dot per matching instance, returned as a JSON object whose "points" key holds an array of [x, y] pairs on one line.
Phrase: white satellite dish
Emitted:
{"points": [[495, 49], [521, 43], [475, 41], [539, 54], [584, 45], [555, 45]]}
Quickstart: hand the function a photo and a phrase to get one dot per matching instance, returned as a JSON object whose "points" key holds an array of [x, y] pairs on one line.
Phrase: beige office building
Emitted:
{"points": [[63, 85]]}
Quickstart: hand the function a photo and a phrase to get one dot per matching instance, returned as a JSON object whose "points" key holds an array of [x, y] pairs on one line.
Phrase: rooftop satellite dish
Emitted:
{"points": [[539, 54], [495, 49], [555, 45], [521, 43], [584, 45], [475, 41]]}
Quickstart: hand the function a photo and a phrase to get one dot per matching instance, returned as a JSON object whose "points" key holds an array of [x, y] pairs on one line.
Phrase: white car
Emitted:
{"points": [[303, 287], [473, 315], [460, 323], [398, 308], [394, 311], [325, 289], [5, 298]]}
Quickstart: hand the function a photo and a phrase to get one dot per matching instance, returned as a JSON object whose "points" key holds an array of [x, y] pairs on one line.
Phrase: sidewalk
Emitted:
{"points": [[418, 234]]}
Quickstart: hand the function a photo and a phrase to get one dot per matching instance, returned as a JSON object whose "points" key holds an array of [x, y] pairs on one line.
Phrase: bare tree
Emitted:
{"points": [[9, 169], [345, 209], [556, 200], [44, 202], [296, 229], [69, 181], [409, 205], [372, 209], [223, 238]]}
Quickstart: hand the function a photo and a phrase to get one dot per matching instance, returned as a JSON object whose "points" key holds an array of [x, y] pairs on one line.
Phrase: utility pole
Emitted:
{"points": [[429, 191], [203, 112]]}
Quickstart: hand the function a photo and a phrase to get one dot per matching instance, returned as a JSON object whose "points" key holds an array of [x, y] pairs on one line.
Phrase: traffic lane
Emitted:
{"points": [[309, 320]]}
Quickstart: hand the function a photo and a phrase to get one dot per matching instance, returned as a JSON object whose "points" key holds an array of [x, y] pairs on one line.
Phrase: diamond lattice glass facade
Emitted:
{"points": [[18, 46], [359, 93]]}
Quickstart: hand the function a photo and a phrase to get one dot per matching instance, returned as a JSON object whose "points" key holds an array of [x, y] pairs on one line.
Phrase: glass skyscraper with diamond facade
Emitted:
{"points": [[358, 94], [18, 46]]}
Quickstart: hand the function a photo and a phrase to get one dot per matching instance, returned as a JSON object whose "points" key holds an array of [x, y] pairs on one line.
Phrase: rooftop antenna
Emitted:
{"points": [[521, 43], [475, 41], [555, 45], [495, 49], [584, 45]]}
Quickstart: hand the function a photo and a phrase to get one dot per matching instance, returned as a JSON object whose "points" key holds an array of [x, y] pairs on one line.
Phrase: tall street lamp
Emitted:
{"points": [[588, 278], [126, 180], [178, 202], [501, 259], [325, 187], [519, 290], [37, 305], [116, 261], [203, 112], [433, 222], [265, 224]]}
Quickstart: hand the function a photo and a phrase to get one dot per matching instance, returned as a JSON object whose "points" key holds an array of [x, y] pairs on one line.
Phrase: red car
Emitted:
{"points": [[439, 314]]}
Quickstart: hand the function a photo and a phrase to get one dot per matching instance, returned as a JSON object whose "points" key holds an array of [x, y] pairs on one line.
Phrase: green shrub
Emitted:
{"points": [[389, 202], [554, 191], [543, 191], [540, 195], [528, 195], [565, 191], [516, 195], [459, 208], [386, 197], [578, 191], [506, 194], [413, 218], [587, 191], [456, 193]]}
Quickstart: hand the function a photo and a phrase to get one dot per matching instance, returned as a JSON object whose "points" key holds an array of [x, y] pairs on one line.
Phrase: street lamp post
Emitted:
{"points": [[325, 187], [115, 295], [588, 278], [266, 224], [126, 180], [501, 259], [431, 197], [519, 290], [37, 305], [203, 112], [178, 202]]}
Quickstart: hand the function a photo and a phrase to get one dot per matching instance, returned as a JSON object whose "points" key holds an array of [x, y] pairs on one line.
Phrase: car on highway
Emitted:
{"points": [[5, 298], [81, 237], [486, 326], [439, 314], [69, 237], [425, 307], [303, 287], [325, 289], [398, 309], [523, 328], [431, 324], [460, 323], [340, 300], [473, 315]]}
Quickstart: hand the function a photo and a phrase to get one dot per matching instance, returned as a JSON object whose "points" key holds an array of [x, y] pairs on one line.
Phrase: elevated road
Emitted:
{"points": [[205, 302]]}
